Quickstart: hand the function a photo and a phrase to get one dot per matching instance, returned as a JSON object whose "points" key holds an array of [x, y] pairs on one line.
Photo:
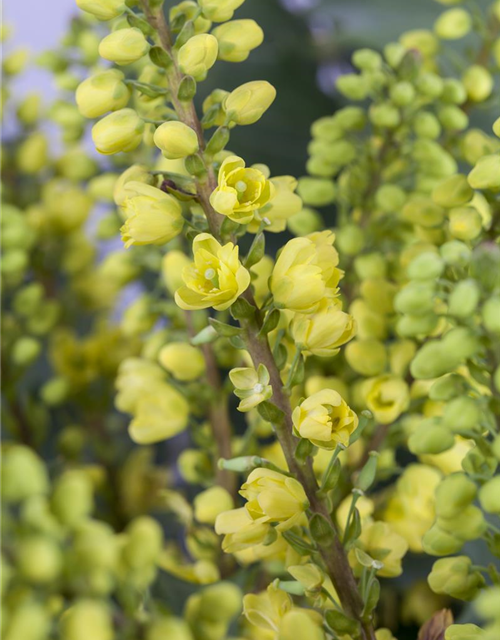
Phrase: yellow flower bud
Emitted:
{"points": [[367, 357], [160, 413], [182, 360], [376, 538], [39, 559], [118, 131], [198, 55], [135, 173], [23, 474], [455, 577], [325, 419], [173, 264], [102, 9], [101, 93], [305, 273], [485, 174], [215, 279], [237, 38], [29, 109], [176, 140], [219, 10], [190, 9], [387, 397], [453, 24], [72, 498], [478, 83], [87, 617], [248, 103], [323, 332], [32, 153], [124, 46], [209, 503], [240, 191], [152, 216]]}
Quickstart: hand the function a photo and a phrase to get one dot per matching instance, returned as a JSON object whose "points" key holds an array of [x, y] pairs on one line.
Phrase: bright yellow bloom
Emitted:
{"points": [[101, 93], [102, 9], [119, 131], [215, 278], [124, 46], [159, 414], [176, 140], [182, 360], [387, 397], [284, 204], [325, 419], [219, 10], [305, 273], [241, 191], [323, 332], [198, 55], [152, 216], [237, 38], [250, 101]]}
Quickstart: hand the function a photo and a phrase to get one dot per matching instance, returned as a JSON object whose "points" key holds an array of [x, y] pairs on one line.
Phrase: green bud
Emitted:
{"points": [[411, 326], [384, 115], [350, 239], [430, 85], [461, 414], [464, 299], [370, 265], [448, 387], [426, 125], [25, 351], [430, 438], [222, 601], [453, 91], [423, 211], [453, 24], [453, 118], [305, 221], [390, 198], [416, 298], [454, 577], [437, 542], [469, 524], [453, 494], [489, 495], [55, 391], [478, 83], [367, 357], [455, 253], [72, 499], [39, 559], [353, 86], [144, 543], [168, 627], [402, 93], [87, 619], [316, 192], [426, 266], [491, 314], [23, 474], [367, 60], [486, 173], [453, 192]]}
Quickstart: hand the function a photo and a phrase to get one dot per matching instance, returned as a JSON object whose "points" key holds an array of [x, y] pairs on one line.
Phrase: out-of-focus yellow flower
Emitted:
{"points": [[219, 10], [93, 615], [159, 414], [15, 62], [240, 190], [182, 360], [119, 131], [198, 55], [176, 140], [124, 46], [248, 103], [305, 273], [387, 397], [135, 377], [152, 216], [323, 332], [251, 386], [209, 503], [325, 419], [32, 154], [200, 572], [237, 38], [261, 272], [382, 544], [172, 266], [102, 9], [411, 510], [215, 279], [101, 93], [284, 204]]}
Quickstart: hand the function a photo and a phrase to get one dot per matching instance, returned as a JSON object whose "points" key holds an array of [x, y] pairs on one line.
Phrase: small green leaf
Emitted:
{"points": [[353, 531], [205, 336], [321, 530], [367, 474], [140, 23], [372, 597], [187, 89], [303, 450], [270, 412], [218, 141], [270, 323], [256, 252], [185, 34], [340, 623], [160, 57], [223, 329], [241, 309]]}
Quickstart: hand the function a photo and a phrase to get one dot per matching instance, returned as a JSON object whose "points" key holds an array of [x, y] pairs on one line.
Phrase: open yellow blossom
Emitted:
{"points": [[306, 273], [152, 216], [159, 414], [384, 545], [387, 397], [251, 386], [325, 419], [284, 204], [241, 190], [323, 332], [215, 279]]}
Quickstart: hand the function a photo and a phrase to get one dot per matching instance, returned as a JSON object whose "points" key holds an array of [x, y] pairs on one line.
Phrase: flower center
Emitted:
{"points": [[209, 274], [241, 186], [258, 388]]}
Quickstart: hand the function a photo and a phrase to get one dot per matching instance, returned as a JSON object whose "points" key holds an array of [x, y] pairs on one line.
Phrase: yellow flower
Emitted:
{"points": [[284, 204], [215, 279], [102, 9], [382, 544], [241, 191], [101, 93], [219, 10], [323, 332], [305, 273], [209, 503], [160, 414], [119, 131], [124, 46], [135, 173], [325, 419], [237, 38], [251, 386], [176, 140], [135, 377], [387, 397], [248, 103], [411, 510], [198, 55], [182, 360], [152, 216], [172, 266]]}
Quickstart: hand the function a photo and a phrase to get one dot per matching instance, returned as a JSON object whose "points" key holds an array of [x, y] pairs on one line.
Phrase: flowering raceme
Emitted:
{"points": [[215, 279]]}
